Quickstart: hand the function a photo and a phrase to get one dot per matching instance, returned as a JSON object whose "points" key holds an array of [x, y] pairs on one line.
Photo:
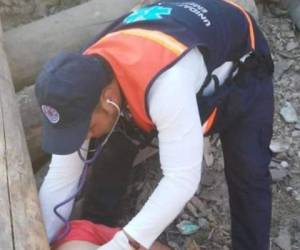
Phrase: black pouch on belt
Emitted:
{"points": [[235, 96]]}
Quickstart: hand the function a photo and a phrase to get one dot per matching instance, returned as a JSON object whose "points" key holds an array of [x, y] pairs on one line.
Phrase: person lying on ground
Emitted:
{"points": [[86, 235]]}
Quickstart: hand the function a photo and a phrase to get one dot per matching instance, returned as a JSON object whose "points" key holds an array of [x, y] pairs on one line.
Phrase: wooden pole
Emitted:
{"points": [[28, 47], [20, 217]]}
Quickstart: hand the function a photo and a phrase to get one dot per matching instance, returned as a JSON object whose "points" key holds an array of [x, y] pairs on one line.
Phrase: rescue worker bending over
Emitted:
{"points": [[185, 69]]}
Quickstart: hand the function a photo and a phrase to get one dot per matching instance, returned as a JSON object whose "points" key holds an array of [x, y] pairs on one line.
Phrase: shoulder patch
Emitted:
{"points": [[148, 14]]}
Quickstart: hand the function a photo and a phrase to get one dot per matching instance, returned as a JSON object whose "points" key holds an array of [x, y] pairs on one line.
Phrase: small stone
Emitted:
{"points": [[199, 205], [297, 196], [207, 180], [278, 174], [185, 216], [290, 34], [291, 152], [173, 245], [186, 227], [203, 223], [294, 193], [191, 245], [278, 146], [274, 164], [296, 133], [288, 113], [297, 126], [209, 159], [292, 45], [281, 66], [192, 209], [284, 239], [284, 164]]}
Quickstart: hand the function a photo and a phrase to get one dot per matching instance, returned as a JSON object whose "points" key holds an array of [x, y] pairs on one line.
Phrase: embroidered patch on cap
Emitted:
{"points": [[51, 113]]}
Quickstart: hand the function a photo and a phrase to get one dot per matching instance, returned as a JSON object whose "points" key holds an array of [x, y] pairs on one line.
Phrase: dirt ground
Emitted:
{"points": [[208, 211]]}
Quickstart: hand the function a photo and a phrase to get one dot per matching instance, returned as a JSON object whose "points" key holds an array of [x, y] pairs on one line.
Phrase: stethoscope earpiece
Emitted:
{"points": [[114, 104]]}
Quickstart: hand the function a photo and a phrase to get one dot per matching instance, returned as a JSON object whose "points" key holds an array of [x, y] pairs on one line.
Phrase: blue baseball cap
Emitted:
{"points": [[68, 89]]}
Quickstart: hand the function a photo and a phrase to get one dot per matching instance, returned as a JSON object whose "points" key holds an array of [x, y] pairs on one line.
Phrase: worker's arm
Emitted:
{"points": [[60, 182], [174, 110]]}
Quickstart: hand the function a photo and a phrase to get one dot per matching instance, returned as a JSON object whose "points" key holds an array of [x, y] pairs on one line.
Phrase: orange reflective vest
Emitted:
{"points": [[138, 56]]}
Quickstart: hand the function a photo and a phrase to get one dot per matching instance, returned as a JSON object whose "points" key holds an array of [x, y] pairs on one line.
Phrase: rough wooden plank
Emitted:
{"points": [[28, 231], [5, 218]]}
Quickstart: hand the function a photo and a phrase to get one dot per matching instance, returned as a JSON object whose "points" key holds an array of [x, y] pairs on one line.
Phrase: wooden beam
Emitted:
{"points": [[6, 238], [20, 217], [28, 47]]}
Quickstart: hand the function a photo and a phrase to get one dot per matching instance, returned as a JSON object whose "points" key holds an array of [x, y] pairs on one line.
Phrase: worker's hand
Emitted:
{"points": [[119, 242]]}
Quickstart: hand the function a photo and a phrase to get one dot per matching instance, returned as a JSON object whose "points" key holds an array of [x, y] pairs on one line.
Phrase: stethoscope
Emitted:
{"points": [[82, 179]]}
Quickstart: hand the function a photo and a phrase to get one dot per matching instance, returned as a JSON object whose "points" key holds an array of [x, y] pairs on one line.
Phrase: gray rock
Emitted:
{"points": [[288, 113], [274, 164], [278, 174], [294, 193], [278, 146], [192, 209], [297, 196], [296, 133], [297, 126], [284, 239], [203, 223], [280, 67], [290, 34], [284, 164], [292, 45], [185, 216], [289, 189]]}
